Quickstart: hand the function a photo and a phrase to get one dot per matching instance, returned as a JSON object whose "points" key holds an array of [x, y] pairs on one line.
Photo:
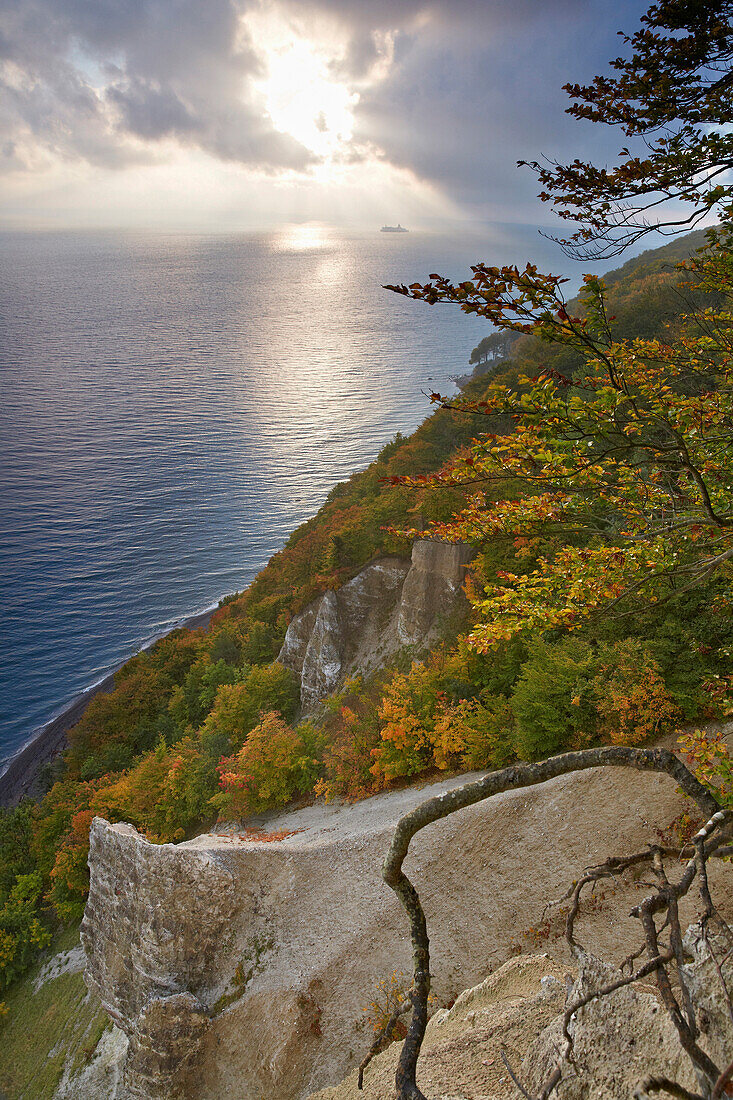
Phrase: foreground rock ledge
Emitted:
{"points": [[618, 1041], [242, 969]]}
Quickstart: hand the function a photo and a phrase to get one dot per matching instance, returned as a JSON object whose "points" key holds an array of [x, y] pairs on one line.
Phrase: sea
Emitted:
{"points": [[173, 405]]}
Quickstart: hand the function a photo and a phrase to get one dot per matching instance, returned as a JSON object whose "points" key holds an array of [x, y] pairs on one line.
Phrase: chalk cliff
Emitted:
{"points": [[389, 604], [238, 968]]}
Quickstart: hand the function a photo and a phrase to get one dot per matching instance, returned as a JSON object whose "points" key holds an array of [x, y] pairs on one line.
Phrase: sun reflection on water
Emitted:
{"points": [[302, 238]]}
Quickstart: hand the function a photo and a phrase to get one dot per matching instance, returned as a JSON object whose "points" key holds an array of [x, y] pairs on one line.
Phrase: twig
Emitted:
{"points": [[514, 778], [604, 991], [722, 1081], [514, 1077], [719, 971], [663, 1084], [667, 895], [383, 1036]]}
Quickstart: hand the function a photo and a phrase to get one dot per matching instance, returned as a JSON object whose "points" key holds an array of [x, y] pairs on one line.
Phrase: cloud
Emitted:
{"points": [[476, 86], [452, 92], [101, 79]]}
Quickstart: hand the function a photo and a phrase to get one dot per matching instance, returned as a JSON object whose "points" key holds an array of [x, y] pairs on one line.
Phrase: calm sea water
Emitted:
{"points": [[172, 407]]}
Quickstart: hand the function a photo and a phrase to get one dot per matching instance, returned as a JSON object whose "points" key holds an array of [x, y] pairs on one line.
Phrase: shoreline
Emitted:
{"points": [[22, 778]]}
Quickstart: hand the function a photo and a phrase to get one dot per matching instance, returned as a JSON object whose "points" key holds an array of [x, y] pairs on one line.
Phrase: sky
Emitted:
{"points": [[247, 114]]}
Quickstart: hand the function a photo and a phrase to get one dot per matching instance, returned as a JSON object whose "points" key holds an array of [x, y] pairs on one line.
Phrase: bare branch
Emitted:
{"points": [[725, 1077], [515, 1079], [384, 1035], [513, 778], [663, 1084]]}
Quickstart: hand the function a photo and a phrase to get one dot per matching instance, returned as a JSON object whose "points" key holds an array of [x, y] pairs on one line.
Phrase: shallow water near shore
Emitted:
{"points": [[173, 407]]}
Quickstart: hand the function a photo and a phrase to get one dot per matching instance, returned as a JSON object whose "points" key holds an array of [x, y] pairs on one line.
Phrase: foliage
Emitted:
{"points": [[237, 707], [124, 721], [708, 755], [164, 794], [554, 699], [276, 763], [16, 833], [571, 694], [492, 348], [486, 733], [628, 462], [70, 872], [387, 996], [632, 699], [191, 701], [672, 97], [431, 717], [22, 933], [408, 712], [352, 733]]}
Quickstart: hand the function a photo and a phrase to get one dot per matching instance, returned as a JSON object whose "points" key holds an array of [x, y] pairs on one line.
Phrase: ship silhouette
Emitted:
{"points": [[394, 229]]}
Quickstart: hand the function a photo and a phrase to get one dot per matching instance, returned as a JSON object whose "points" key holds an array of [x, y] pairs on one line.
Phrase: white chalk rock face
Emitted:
{"points": [[151, 953], [618, 1040], [389, 604], [432, 588], [297, 636], [709, 974], [321, 670], [238, 969]]}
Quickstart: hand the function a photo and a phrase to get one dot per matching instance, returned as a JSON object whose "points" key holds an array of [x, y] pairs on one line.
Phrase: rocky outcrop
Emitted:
{"points": [[165, 1045], [390, 604], [639, 1039], [322, 660], [518, 1011], [298, 634], [461, 1055], [143, 931], [709, 965], [238, 968], [345, 631], [431, 589], [153, 931]]}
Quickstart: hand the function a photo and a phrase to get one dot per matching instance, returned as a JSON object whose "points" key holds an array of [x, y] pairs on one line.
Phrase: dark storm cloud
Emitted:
{"points": [[471, 85]]}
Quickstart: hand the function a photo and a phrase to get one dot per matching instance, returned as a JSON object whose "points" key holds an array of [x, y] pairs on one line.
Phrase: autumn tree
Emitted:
{"points": [[616, 475], [491, 348], [275, 763], [629, 461], [671, 96]]}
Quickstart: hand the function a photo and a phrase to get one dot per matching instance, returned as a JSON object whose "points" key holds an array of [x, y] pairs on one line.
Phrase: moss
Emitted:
{"points": [[85, 1052], [250, 964], [44, 1031]]}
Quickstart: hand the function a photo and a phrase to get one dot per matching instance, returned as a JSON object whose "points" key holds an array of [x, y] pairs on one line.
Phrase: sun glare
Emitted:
{"points": [[299, 90], [301, 238]]}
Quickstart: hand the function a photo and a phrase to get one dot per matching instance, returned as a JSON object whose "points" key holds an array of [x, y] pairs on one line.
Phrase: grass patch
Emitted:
{"points": [[43, 1031]]}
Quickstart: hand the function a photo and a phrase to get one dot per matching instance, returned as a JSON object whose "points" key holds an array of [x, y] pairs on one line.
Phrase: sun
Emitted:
{"points": [[299, 90]]}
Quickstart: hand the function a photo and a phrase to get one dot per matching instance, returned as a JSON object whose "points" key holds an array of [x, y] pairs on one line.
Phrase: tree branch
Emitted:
{"points": [[513, 778]]}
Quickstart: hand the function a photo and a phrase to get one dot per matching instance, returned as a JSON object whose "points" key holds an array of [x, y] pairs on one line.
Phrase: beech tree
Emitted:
{"points": [[671, 95], [617, 479], [629, 461]]}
